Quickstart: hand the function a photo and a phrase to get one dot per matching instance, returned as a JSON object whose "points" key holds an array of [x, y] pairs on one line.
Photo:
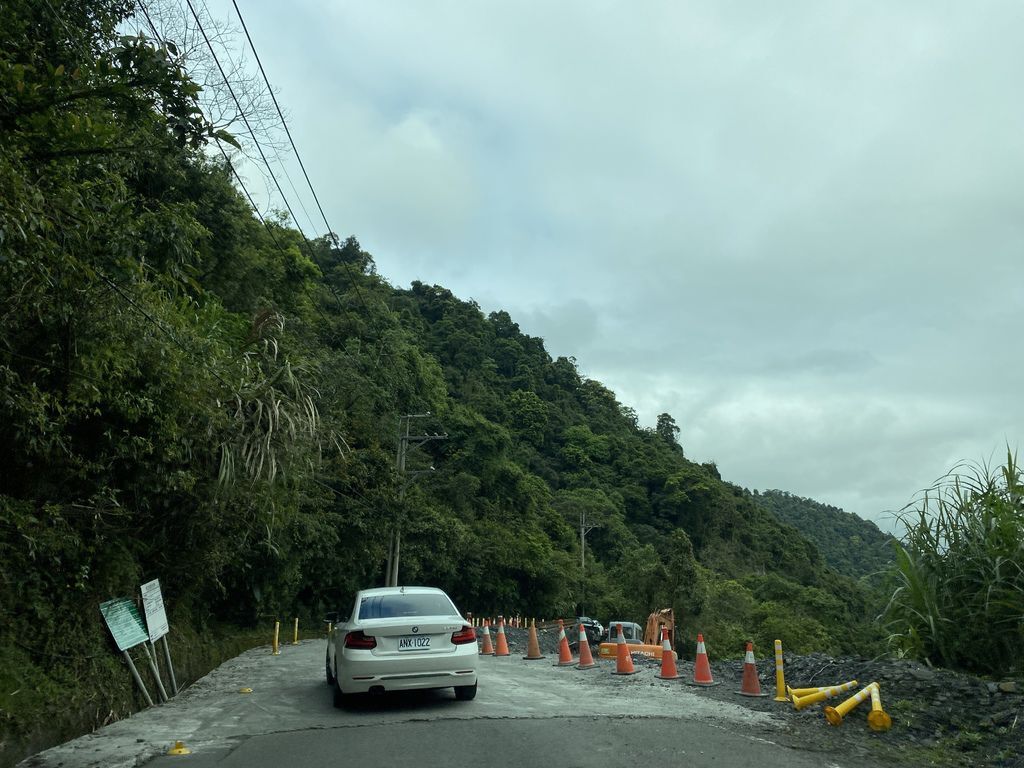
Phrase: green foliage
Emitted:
{"points": [[188, 394], [849, 544], [960, 571]]}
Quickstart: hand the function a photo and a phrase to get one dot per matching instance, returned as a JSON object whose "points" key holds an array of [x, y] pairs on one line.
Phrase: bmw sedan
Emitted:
{"points": [[400, 639]]}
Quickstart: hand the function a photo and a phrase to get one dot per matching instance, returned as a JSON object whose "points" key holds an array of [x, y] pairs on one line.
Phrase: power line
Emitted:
{"points": [[270, 231], [160, 326], [295, 149], [313, 259], [244, 116], [281, 115], [266, 162]]}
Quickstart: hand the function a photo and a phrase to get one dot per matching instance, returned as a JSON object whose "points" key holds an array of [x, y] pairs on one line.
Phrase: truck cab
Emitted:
{"points": [[631, 632]]}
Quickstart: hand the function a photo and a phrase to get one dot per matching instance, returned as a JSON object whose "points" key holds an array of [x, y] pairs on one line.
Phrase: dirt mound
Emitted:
{"points": [[940, 717]]}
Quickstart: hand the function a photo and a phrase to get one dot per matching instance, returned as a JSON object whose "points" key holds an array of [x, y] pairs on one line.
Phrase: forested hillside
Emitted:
{"points": [[192, 394], [849, 544]]}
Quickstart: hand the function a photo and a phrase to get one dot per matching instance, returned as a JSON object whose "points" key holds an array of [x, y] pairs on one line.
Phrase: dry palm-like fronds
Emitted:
{"points": [[275, 418]]}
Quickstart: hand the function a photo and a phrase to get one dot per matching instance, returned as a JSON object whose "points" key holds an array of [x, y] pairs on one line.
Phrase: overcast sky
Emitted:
{"points": [[796, 227]]}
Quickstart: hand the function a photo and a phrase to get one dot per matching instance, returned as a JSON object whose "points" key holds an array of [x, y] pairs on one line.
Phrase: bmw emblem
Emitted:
{"points": [[415, 630]]}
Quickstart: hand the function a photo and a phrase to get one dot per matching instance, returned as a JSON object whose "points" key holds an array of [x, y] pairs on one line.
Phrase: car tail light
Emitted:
{"points": [[463, 636], [360, 641]]}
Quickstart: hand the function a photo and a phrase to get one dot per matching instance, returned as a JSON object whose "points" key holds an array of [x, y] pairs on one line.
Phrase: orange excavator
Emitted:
{"points": [[651, 643]]}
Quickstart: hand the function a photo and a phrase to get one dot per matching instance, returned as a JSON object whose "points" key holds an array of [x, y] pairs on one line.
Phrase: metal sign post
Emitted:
{"points": [[170, 667], [125, 625], [156, 620], [156, 672], [138, 680]]}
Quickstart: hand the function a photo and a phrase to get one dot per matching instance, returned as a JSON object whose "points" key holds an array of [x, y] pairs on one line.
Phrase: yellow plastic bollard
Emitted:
{"points": [[805, 691], [835, 715], [800, 702], [277, 634], [878, 719], [295, 635], [780, 678]]}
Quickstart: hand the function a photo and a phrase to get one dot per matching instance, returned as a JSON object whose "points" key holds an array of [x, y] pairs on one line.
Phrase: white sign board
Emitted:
{"points": [[153, 605]]}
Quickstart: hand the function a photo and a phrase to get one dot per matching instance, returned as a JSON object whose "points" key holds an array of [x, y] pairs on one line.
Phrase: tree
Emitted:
{"points": [[668, 431]]}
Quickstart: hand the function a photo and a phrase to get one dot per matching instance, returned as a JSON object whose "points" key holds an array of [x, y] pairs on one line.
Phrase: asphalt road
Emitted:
{"points": [[525, 713]]}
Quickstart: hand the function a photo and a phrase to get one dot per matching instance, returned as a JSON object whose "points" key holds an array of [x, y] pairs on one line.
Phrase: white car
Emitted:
{"points": [[400, 639]]}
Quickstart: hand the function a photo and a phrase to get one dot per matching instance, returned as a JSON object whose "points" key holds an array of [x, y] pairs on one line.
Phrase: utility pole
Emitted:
{"points": [[405, 479], [585, 528]]}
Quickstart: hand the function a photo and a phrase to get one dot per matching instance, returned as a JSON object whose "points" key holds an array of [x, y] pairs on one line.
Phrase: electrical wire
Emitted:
{"points": [[160, 326], [266, 163], [295, 149], [270, 231]]}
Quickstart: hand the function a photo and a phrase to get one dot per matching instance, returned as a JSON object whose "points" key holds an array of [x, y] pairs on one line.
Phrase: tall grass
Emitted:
{"points": [[959, 599]]}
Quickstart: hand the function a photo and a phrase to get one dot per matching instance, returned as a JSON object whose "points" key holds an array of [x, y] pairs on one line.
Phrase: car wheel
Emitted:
{"points": [[330, 674], [465, 692], [340, 698]]}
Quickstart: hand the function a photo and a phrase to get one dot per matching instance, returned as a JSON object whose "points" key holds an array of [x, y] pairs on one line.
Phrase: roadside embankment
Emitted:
{"points": [[46, 699]]}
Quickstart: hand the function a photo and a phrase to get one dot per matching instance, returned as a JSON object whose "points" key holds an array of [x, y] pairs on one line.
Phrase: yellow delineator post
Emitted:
{"points": [[780, 678], [835, 715], [878, 719], [805, 691], [277, 634], [800, 702], [295, 635]]}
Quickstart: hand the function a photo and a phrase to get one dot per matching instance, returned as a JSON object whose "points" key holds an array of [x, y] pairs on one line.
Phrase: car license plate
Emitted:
{"points": [[413, 643]]}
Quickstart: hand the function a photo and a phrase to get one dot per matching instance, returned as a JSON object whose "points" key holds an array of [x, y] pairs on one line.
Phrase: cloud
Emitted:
{"points": [[795, 226]]}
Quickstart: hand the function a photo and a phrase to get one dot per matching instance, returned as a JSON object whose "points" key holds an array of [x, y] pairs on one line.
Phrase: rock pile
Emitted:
{"points": [[940, 717]]}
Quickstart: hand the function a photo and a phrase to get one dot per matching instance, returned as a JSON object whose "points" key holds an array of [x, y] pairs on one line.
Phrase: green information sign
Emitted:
{"points": [[124, 622]]}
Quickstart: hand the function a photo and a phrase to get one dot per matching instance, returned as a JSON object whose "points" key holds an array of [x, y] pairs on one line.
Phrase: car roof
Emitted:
{"points": [[400, 591]]}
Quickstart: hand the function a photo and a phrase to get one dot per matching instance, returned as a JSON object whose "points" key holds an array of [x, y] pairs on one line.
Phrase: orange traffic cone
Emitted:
{"points": [[586, 657], [751, 685], [487, 649], [701, 667], [501, 645], [668, 658], [565, 658], [623, 661], [532, 645]]}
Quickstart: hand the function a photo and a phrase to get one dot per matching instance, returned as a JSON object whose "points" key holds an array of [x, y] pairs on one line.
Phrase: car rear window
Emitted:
{"points": [[394, 606]]}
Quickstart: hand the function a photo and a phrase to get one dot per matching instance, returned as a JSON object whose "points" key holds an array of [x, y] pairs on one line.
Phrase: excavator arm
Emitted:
{"points": [[663, 618]]}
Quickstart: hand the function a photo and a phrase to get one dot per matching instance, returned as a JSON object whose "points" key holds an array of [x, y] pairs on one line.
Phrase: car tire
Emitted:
{"points": [[330, 674], [465, 692], [340, 698]]}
